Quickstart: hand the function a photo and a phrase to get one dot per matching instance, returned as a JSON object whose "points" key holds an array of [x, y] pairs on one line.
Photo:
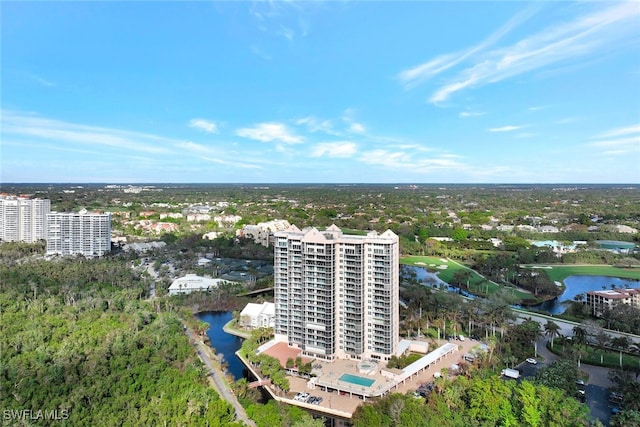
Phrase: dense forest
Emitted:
{"points": [[478, 401], [78, 338]]}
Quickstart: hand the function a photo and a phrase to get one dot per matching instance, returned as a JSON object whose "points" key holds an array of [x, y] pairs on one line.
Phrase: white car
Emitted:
{"points": [[532, 361]]}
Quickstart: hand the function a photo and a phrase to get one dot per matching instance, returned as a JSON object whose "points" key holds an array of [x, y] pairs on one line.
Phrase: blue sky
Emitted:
{"points": [[285, 92]]}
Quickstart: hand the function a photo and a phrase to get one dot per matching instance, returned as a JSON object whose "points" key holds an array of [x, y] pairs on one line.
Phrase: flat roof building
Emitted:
{"points": [[81, 233], [337, 295], [23, 219], [600, 301]]}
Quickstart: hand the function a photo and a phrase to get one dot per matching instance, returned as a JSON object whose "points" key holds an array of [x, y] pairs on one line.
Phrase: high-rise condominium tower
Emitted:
{"points": [[82, 233], [336, 295], [23, 219]]}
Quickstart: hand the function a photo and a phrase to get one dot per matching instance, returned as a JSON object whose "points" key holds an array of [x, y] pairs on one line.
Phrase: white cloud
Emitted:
{"points": [[267, 132], [314, 124], [258, 51], [42, 81], [621, 131], [205, 125], [635, 140], [282, 18], [585, 35], [195, 148], [465, 114], [406, 161], [334, 149], [286, 32], [63, 132], [568, 120], [356, 127], [619, 141], [414, 147], [233, 164], [505, 129], [420, 73]]}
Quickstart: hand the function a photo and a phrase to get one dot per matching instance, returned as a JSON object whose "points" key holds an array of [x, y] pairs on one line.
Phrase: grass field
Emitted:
{"points": [[477, 284], [601, 357], [560, 272]]}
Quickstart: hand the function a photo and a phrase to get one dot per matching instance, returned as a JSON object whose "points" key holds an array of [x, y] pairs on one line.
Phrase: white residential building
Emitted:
{"points": [[82, 233], [258, 315], [196, 217], [171, 215], [23, 219], [227, 220], [337, 295]]}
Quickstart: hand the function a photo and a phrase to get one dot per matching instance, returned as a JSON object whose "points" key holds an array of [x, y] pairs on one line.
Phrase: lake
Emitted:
{"points": [[575, 285], [224, 343]]}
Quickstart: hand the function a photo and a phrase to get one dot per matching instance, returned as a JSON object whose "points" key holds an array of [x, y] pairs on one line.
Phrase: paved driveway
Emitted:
{"points": [[596, 391]]}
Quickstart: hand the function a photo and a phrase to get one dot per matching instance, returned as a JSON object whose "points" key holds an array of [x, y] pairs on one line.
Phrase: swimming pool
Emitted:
{"points": [[354, 379]]}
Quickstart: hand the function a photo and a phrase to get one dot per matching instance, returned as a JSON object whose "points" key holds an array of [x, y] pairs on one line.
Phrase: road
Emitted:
{"points": [[597, 389], [154, 276], [216, 374], [210, 361], [566, 327]]}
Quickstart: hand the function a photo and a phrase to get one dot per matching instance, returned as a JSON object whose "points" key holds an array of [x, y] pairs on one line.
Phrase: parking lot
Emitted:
{"points": [[305, 397], [595, 396]]}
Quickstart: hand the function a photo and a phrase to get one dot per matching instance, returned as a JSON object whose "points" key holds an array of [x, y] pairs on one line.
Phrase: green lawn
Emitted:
{"points": [[560, 272], [609, 358], [477, 284]]}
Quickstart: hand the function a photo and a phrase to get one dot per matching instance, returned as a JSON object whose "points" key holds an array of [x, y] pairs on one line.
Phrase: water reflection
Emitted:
{"points": [[574, 285], [224, 343]]}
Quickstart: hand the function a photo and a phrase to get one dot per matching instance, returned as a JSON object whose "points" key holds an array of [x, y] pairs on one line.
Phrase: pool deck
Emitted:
{"points": [[347, 396], [357, 380]]}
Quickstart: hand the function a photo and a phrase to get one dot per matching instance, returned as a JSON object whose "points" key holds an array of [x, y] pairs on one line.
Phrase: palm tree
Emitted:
{"points": [[621, 343], [578, 350], [439, 323], [510, 360], [552, 330], [580, 334], [635, 348]]}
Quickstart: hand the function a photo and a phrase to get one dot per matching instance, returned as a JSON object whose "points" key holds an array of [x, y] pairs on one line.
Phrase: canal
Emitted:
{"points": [[224, 343]]}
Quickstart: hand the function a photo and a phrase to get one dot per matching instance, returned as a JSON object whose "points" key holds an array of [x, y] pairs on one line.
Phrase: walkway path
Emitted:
{"points": [[218, 378]]}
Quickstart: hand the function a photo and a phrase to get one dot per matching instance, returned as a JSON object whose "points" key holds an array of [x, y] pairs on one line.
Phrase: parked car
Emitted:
{"points": [[532, 361]]}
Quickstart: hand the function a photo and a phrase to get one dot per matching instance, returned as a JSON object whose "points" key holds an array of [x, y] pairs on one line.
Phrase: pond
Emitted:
{"points": [[431, 279], [224, 343], [575, 285]]}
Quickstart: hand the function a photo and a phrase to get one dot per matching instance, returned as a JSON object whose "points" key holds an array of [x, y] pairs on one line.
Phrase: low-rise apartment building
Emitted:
{"points": [[600, 301]]}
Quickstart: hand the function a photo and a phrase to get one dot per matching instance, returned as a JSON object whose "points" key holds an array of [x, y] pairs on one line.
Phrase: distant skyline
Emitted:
{"points": [[320, 92]]}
